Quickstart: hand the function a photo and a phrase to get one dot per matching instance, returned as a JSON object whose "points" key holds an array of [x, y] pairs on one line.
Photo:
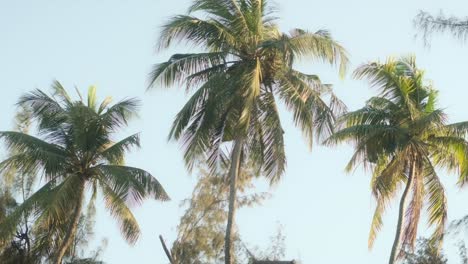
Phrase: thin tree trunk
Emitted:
{"points": [[71, 231], [401, 214], [166, 250], [233, 174]]}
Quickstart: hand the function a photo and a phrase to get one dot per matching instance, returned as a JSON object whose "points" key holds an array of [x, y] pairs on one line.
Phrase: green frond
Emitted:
{"points": [[434, 120], [199, 32], [250, 83], [366, 133], [413, 212], [120, 113], [131, 184], [116, 152], [319, 45], [451, 152], [119, 210], [21, 142], [272, 141], [57, 204], [376, 224], [47, 111], [437, 203], [461, 128], [177, 69], [387, 176], [221, 9], [31, 153], [310, 113]]}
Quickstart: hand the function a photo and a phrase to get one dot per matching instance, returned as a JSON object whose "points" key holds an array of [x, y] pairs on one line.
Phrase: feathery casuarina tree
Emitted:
{"points": [[75, 152], [428, 24], [201, 229], [245, 67], [402, 137]]}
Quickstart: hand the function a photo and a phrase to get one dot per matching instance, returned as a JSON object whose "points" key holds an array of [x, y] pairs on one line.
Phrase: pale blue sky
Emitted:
{"points": [[110, 43]]}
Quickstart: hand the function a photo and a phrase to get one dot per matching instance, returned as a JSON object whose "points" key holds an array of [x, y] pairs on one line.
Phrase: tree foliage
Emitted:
{"points": [[201, 229], [429, 24], [425, 254]]}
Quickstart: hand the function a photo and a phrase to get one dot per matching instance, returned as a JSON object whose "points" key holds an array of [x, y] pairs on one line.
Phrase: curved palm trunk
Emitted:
{"points": [[401, 214], [71, 231], [233, 174]]}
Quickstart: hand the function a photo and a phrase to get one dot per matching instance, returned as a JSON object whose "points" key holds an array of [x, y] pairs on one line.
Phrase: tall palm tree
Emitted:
{"points": [[401, 136], [245, 67], [75, 152]]}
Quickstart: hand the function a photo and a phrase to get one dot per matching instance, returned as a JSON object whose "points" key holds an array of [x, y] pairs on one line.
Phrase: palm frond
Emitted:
{"points": [[180, 66], [131, 184], [120, 113], [437, 203], [196, 31], [115, 153], [376, 224], [318, 45], [119, 210]]}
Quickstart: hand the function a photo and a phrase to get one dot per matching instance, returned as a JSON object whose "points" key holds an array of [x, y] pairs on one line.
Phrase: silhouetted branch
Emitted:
{"points": [[166, 250]]}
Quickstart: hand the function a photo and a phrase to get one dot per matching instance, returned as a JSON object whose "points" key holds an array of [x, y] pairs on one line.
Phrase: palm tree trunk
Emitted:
{"points": [[71, 231], [401, 214], [233, 174]]}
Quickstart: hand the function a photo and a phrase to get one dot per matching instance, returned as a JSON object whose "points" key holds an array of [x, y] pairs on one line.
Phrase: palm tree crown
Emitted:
{"points": [[74, 152], [247, 64], [402, 136]]}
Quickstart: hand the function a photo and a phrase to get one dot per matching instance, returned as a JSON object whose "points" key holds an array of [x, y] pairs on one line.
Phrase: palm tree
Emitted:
{"points": [[75, 152], [401, 136], [245, 66]]}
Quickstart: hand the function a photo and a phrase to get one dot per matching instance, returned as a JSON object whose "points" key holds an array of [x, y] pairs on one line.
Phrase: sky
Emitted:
{"points": [[325, 212]]}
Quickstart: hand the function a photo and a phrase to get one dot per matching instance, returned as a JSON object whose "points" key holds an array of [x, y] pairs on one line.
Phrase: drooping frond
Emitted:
{"points": [[451, 152], [311, 114], [119, 210], [132, 184], [413, 212], [376, 224], [437, 203], [272, 141], [30, 153]]}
